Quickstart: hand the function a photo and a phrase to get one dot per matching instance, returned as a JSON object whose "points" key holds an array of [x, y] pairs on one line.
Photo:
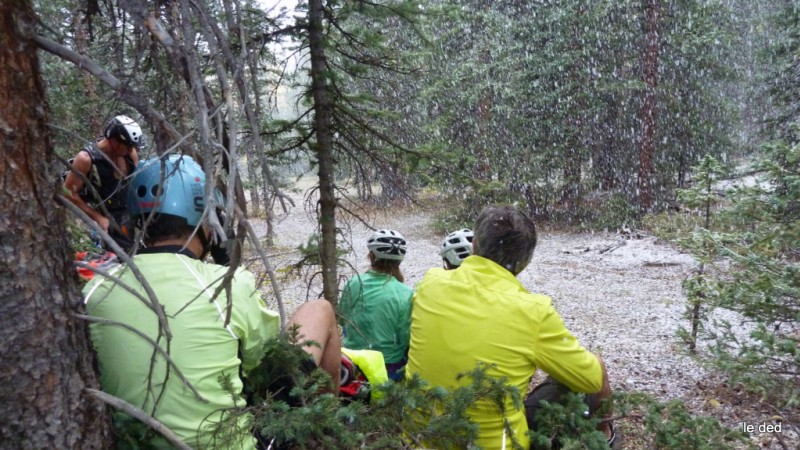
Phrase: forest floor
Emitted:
{"points": [[619, 293]]}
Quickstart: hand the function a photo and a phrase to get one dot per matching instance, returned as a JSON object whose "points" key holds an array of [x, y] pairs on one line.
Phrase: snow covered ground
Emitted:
{"points": [[620, 294]]}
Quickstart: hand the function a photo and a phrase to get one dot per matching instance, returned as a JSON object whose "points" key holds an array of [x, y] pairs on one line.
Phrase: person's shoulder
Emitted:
{"points": [[91, 150], [402, 287], [435, 272], [538, 299], [82, 157], [213, 272], [241, 275], [432, 276], [358, 279]]}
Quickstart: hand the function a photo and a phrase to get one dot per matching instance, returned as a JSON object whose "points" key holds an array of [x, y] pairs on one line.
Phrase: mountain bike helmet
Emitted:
{"points": [[387, 244], [175, 186], [125, 130], [457, 246]]}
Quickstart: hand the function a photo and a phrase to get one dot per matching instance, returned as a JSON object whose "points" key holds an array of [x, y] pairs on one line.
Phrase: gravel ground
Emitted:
{"points": [[619, 293]]}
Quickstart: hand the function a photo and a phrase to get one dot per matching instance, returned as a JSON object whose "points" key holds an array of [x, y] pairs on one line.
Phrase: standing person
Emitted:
{"points": [[481, 313], [107, 164], [455, 248], [375, 307], [203, 349]]}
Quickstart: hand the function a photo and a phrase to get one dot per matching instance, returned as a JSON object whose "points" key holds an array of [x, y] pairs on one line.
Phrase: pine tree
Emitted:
{"points": [[703, 199]]}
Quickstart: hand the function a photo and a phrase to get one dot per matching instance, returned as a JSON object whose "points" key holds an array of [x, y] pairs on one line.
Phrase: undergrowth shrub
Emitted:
{"points": [[670, 425], [289, 410], [604, 211], [670, 225], [566, 425], [607, 211], [406, 415], [460, 211], [758, 239]]}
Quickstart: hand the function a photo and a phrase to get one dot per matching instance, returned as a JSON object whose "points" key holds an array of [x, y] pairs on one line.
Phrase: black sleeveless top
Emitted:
{"points": [[113, 192]]}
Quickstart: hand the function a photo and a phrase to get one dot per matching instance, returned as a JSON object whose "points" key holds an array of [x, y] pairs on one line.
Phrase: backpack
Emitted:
{"points": [[93, 176]]}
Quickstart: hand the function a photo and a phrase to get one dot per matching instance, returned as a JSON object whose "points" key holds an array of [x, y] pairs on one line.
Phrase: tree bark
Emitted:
{"points": [[571, 172], [82, 46], [46, 354], [647, 150], [324, 151]]}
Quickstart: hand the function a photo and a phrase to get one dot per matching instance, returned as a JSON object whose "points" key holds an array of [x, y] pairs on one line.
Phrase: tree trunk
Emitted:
{"points": [[571, 172], [82, 46], [324, 150], [605, 150], [647, 151], [46, 358]]}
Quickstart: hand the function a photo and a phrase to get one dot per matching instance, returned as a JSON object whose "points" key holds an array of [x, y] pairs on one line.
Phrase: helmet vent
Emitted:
{"points": [[387, 244]]}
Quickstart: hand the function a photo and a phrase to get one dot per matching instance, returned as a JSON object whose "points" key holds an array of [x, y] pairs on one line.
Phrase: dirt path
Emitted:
{"points": [[620, 294]]}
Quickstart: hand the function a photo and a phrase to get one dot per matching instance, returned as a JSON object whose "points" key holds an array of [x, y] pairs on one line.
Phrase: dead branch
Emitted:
{"points": [[153, 304], [212, 29], [133, 98], [273, 279], [612, 247], [142, 416], [659, 264], [150, 341]]}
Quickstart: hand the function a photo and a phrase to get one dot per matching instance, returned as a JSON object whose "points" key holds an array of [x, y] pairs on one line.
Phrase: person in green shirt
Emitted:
{"points": [[209, 340], [480, 313], [375, 307]]}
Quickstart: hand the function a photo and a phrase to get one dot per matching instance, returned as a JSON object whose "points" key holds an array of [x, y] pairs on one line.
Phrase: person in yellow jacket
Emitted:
{"points": [[480, 313]]}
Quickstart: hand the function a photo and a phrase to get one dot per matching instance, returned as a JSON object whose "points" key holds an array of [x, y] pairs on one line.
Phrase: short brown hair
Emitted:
{"points": [[506, 236]]}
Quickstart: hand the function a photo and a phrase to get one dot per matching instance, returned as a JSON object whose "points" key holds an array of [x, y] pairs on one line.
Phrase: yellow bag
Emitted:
{"points": [[370, 364]]}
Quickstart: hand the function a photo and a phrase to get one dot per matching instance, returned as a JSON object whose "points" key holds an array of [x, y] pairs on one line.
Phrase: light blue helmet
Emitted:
{"points": [[175, 186]]}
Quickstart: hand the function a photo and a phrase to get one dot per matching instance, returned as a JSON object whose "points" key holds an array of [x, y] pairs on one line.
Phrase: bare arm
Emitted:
{"points": [[73, 185], [135, 158], [605, 391]]}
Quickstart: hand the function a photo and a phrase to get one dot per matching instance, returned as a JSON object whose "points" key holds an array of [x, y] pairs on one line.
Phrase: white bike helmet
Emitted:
{"points": [[387, 244], [125, 129], [457, 246]]}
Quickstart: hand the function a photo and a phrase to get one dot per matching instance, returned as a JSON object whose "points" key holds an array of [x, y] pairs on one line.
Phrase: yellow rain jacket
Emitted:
{"points": [[480, 312]]}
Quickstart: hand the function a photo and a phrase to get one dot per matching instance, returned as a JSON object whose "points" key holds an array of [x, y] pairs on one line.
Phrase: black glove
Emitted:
{"points": [[220, 254], [219, 251]]}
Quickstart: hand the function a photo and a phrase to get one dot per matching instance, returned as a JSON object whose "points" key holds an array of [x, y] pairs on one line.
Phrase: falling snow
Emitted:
{"points": [[619, 293]]}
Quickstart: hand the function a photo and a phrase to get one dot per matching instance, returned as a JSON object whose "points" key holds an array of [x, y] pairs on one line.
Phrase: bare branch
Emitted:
{"points": [[142, 416], [135, 99], [268, 267], [153, 304], [150, 341]]}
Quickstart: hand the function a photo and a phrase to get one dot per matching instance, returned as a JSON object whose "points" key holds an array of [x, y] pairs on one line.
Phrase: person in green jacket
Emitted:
{"points": [[202, 340], [375, 307]]}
